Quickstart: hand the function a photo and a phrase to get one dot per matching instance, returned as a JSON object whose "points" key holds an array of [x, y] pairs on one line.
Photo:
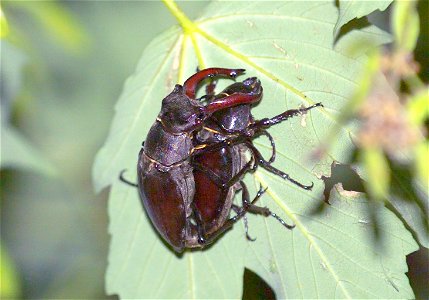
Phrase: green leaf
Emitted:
{"points": [[410, 199], [4, 27], [418, 107], [10, 287], [331, 255], [378, 171], [12, 66], [58, 21], [414, 215], [421, 164], [17, 152], [406, 24], [352, 9]]}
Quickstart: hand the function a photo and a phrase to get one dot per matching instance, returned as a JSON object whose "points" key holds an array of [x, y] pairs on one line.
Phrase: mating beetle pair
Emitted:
{"points": [[193, 159]]}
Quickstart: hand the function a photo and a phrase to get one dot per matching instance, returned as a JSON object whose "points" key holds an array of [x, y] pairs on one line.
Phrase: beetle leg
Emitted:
{"points": [[198, 150], [200, 227], [124, 180], [267, 166], [209, 96], [273, 145], [226, 226], [237, 177], [206, 98], [266, 123], [218, 181], [211, 87], [237, 209], [190, 85], [265, 211], [259, 160]]}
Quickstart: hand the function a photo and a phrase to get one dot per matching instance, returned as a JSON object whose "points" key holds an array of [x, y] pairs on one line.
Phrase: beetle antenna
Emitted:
{"points": [[124, 180]]}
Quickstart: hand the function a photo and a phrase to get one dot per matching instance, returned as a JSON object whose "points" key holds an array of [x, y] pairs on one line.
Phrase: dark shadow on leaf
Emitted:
{"points": [[418, 272], [355, 24], [255, 288]]}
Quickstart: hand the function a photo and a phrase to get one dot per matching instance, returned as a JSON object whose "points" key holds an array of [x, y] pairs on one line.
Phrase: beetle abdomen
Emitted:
{"points": [[166, 198], [211, 200]]}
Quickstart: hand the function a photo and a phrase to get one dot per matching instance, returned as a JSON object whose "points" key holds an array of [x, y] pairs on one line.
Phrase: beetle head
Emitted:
{"points": [[181, 114], [251, 86]]}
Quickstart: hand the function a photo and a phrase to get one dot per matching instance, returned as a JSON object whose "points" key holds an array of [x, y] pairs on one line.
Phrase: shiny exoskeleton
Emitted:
{"points": [[192, 161], [165, 173], [218, 173]]}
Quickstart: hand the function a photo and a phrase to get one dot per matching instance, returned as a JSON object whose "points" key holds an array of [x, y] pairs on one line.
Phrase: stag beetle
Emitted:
{"points": [[176, 150], [218, 173], [165, 175]]}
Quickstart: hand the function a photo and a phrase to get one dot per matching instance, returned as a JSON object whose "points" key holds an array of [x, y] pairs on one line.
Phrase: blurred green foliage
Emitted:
{"points": [[10, 283], [393, 108], [68, 62], [4, 27]]}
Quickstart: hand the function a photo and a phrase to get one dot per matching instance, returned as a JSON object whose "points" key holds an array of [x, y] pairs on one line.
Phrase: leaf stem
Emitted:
{"points": [[189, 28], [187, 25]]}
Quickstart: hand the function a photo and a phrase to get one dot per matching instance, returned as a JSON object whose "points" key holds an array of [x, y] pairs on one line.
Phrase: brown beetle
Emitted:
{"points": [[218, 173], [192, 161], [165, 175]]}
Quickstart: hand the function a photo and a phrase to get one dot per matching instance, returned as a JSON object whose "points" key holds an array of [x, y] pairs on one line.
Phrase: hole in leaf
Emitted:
{"points": [[345, 175]]}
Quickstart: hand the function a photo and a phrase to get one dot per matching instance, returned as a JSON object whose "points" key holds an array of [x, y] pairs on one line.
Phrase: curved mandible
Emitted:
{"points": [[190, 85], [233, 100]]}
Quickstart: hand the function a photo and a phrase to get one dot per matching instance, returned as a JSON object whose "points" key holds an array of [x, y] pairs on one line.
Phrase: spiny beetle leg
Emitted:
{"points": [[237, 210], [211, 87], [217, 180], [267, 166], [265, 211], [124, 180], [273, 145], [266, 123], [190, 85], [200, 226]]}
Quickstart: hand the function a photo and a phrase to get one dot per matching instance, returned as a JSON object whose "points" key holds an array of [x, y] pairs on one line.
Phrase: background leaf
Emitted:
{"points": [[330, 255], [19, 153]]}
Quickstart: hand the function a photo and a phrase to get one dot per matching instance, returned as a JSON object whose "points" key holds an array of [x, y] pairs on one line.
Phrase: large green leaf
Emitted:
{"points": [[329, 255]]}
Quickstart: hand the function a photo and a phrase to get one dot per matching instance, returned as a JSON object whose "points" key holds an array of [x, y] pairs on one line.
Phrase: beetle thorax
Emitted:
{"points": [[166, 148]]}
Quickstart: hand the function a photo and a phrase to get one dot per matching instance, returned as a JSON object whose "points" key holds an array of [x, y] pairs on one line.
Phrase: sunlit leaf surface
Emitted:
{"points": [[328, 255]]}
